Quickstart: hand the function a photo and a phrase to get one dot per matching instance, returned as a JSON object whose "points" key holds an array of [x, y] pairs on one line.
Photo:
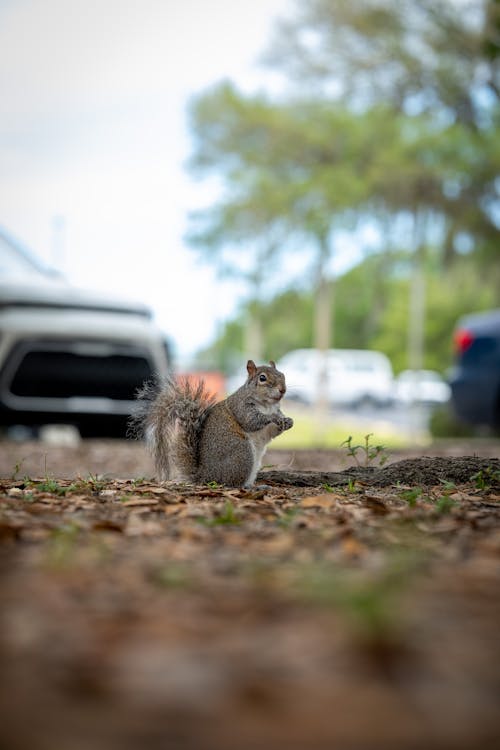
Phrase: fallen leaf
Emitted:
{"points": [[376, 504], [36, 534], [107, 524], [444, 525], [8, 531], [277, 544], [138, 526], [318, 501], [48, 499], [153, 489], [461, 497], [140, 501], [15, 492], [210, 493], [172, 508], [351, 547]]}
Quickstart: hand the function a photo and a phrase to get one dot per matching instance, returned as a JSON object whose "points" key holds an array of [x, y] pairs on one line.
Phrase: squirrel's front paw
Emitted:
{"points": [[286, 423]]}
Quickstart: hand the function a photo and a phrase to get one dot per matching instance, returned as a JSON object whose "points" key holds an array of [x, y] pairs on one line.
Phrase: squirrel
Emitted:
{"points": [[195, 440]]}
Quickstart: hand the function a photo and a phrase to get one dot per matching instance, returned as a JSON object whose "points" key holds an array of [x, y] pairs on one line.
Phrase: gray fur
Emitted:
{"points": [[192, 439]]}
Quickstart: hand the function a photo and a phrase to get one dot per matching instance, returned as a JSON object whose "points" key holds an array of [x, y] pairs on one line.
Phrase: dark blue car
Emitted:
{"points": [[475, 381]]}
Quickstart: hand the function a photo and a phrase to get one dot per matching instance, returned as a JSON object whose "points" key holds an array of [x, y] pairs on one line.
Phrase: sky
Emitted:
{"points": [[93, 129]]}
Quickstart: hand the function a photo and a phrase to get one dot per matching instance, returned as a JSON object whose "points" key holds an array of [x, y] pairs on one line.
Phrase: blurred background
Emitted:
{"points": [[311, 182]]}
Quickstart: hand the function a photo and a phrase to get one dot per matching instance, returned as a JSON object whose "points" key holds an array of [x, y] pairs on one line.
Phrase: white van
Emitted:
{"points": [[353, 376]]}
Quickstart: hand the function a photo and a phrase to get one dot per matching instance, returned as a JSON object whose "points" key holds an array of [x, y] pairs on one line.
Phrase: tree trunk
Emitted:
{"points": [[322, 332], [416, 325], [416, 318], [416, 306]]}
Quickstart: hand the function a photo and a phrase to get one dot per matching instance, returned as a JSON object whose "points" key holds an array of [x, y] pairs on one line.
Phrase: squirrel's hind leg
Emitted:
{"points": [[232, 466]]}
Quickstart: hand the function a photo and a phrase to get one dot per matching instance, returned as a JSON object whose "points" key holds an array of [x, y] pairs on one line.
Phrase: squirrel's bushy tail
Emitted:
{"points": [[170, 416]]}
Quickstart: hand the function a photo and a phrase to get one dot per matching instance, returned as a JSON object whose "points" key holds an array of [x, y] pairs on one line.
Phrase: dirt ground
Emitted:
{"points": [[127, 459], [334, 606]]}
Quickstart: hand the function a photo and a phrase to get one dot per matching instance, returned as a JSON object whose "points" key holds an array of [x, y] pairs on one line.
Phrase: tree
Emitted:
{"points": [[288, 181], [371, 312], [392, 117], [435, 65], [417, 56], [431, 60], [242, 232]]}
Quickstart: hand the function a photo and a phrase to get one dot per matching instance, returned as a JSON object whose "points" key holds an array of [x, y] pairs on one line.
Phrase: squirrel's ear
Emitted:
{"points": [[272, 363], [251, 368]]}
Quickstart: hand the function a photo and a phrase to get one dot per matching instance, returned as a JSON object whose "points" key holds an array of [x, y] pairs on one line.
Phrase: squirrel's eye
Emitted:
{"points": [[262, 378]]}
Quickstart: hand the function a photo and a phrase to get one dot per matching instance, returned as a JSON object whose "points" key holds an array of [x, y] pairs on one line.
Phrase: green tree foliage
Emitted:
{"points": [[372, 313], [292, 175], [391, 115], [449, 295], [414, 55], [436, 62]]}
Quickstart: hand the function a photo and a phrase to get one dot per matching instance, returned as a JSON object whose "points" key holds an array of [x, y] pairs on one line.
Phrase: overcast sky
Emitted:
{"points": [[93, 128]]}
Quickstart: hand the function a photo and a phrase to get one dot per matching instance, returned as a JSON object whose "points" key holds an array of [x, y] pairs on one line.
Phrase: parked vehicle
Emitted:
{"points": [[353, 376], [475, 379], [421, 386], [68, 355]]}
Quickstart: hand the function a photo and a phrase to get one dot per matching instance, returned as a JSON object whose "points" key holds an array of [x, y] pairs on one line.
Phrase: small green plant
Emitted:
{"points": [[485, 478], [49, 485], [214, 485], [94, 482], [17, 469], [445, 504], [351, 485], [62, 544], [287, 517], [411, 496], [368, 451], [372, 603], [447, 485], [226, 516], [328, 487]]}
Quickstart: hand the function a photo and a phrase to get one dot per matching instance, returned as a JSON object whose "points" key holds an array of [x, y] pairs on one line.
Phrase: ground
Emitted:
{"points": [[333, 606]]}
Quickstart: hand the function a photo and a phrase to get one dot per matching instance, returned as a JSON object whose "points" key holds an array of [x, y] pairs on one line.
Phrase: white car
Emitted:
{"points": [[70, 356], [352, 377], [422, 386]]}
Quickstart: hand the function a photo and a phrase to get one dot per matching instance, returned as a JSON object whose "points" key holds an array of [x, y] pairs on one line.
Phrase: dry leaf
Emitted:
{"points": [[154, 489], [15, 492], [138, 526], [140, 501], [277, 544], [8, 531], [351, 547], [376, 504], [318, 501], [173, 508], [106, 524], [461, 497], [107, 493]]}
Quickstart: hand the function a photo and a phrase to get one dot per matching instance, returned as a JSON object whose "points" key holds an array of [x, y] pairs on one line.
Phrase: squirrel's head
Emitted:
{"points": [[268, 382]]}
